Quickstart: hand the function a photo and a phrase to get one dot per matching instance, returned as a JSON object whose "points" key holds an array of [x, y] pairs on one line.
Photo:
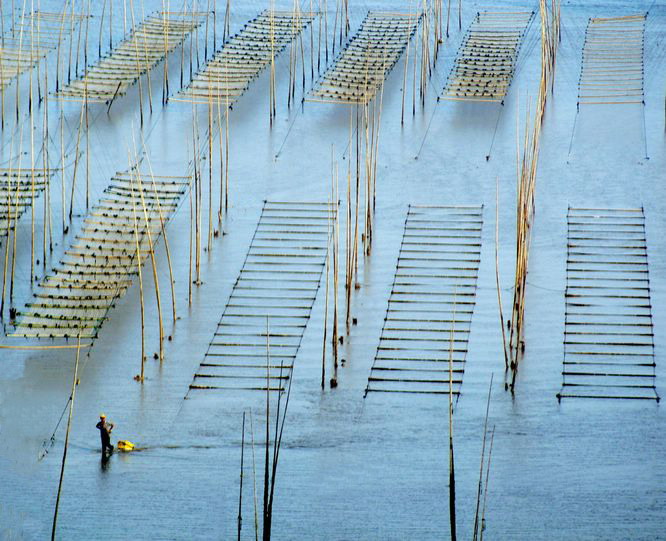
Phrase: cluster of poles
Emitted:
{"points": [[430, 38], [514, 343], [271, 455], [363, 150]]}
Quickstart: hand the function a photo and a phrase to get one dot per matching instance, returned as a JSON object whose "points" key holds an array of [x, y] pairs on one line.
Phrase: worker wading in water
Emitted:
{"points": [[105, 433]]}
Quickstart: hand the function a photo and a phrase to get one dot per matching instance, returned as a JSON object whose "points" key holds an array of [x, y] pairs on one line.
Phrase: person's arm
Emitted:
{"points": [[111, 425], [99, 425]]}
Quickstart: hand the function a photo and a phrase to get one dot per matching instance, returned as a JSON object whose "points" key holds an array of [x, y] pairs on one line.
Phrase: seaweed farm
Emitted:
{"points": [[332, 269]]}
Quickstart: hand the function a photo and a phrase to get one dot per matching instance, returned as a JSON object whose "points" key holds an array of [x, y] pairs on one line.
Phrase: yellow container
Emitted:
{"points": [[124, 445]]}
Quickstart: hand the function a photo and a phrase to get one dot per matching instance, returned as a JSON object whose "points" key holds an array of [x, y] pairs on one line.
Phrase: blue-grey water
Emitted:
{"points": [[350, 468]]}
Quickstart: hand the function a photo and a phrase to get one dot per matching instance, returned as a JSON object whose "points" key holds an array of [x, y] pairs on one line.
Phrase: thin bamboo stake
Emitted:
{"points": [[189, 279], [266, 533], [485, 490], [323, 353], [172, 281], [483, 451], [497, 278], [210, 170], [452, 473], [254, 482], [32, 168], [151, 248], [72, 396], [240, 491], [448, 18], [336, 237], [139, 265], [76, 162], [101, 27]]}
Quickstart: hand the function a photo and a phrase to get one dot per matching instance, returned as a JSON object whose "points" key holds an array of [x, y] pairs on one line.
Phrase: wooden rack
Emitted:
{"points": [[431, 303], [276, 288], [99, 265], [612, 67], [362, 66], [244, 56], [608, 333], [486, 60], [144, 47], [18, 190], [31, 39]]}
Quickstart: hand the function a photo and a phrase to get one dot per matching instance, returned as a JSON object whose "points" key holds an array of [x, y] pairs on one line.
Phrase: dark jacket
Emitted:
{"points": [[105, 431]]}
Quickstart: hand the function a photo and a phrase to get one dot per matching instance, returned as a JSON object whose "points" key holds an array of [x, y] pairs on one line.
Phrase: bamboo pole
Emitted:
{"points": [[483, 451], [76, 162], [32, 163], [240, 491], [326, 29], [172, 281], [17, 206], [448, 18], [165, 79], [110, 25], [323, 353], [452, 473], [72, 396], [485, 490], [210, 168], [139, 265], [18, 94], [151, 248], [62, 166], [254, 482], [497, 279], [101, 29], [336, 238], [348, 232], [189, 279], [266, 533]]}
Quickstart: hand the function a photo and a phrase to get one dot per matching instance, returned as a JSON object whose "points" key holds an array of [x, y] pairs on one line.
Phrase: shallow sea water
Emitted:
{"points": [[354, 468]]}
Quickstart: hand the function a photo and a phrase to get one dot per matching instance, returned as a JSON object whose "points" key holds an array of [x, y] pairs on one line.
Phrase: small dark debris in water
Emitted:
{"points": [[343, 361], [12, 314], [216, 233], [37, 261], [341, 339], [156, 356], [357, 285], [334, 383], [354, 321], [169, 338], [137, 378]]}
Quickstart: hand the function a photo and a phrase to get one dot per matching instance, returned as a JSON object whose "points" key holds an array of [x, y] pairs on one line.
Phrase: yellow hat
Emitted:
{"points": [[102, 416]]}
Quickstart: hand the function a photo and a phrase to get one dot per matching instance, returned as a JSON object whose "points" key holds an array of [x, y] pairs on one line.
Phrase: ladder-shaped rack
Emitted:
{"points": [[145, 46], [486, 60], [612, 68], [18, 190], [432, 301], [99, 265], [244, 56], [273, 295], [31, 39], [362, 66], [608, 333]]}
